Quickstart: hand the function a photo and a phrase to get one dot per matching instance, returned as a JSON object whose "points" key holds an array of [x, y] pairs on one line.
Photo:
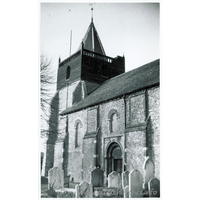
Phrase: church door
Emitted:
{"points": [[114, 158]]}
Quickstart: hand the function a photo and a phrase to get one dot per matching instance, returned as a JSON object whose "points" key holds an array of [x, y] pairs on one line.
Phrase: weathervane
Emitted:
{"points": [[91, 4]]}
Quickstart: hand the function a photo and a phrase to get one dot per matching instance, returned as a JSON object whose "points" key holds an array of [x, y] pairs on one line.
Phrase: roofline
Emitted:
{"points": [[69, 58], [116, 97], [99, 40]]}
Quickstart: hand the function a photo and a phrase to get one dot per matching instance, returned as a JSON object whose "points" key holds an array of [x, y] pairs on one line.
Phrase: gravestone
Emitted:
{"points": [[135, 184], [114, 180], [56, 178], [77, 193], [154, 187], [97, 178], [149, 169], [66, 181], [126, 192], [84, 190], [125, 179]]}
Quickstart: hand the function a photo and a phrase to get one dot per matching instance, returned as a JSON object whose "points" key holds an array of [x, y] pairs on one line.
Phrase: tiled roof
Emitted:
{"points": [[137, 79], [92, 41]]}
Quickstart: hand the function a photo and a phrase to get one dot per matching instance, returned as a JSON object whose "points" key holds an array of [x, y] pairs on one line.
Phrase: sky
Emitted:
{"points": [[129, 29]]}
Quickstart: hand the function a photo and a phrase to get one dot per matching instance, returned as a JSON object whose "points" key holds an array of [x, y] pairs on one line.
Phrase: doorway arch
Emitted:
{"points": [[114, 158]]}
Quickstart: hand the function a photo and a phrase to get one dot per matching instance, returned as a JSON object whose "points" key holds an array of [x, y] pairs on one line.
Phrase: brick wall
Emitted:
{"points": [[137, 109], [105, 108], [79, 162], [136, 112], [74, 155], [135, 143], [75, 165], [92, 120], [88, 160], [89, 146], [106, 136], [153, 128]]}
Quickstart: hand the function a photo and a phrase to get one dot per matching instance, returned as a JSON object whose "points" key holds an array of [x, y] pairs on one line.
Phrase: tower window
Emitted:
{"points": [[68, 72]]}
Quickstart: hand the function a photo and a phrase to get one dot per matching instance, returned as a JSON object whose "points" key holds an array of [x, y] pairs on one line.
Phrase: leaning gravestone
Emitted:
{"points": [[97, 177], [125, 179], [126, 192], [135, 184], [154, 187], [56, 178], [114, 180], [148, 168], [84, 190]]}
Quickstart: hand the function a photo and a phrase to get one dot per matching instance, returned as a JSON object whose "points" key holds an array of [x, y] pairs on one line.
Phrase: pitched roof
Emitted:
{"points": [[92, 41], [137, 79]]}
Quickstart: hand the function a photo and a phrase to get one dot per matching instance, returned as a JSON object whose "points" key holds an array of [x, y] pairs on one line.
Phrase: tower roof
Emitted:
{"points": [[92, 41]]}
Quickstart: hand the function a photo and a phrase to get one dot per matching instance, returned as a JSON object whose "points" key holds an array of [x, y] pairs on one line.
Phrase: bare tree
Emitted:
{"points": [[46, 84], [49, 102]]}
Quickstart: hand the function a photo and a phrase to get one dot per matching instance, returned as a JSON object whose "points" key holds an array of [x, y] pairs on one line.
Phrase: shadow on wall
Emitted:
{"points": [[77, 94], [53, 131], [53, 120]]}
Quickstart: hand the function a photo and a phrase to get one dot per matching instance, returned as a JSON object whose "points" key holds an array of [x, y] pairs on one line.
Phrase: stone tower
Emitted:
{"points": [[78, 76]]}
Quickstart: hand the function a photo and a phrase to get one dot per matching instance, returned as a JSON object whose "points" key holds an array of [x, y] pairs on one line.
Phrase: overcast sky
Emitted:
{"points": [[131, 29]]}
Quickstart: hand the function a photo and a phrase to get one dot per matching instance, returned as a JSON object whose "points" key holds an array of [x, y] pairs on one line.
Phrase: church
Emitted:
{"points": [[101, 116]]}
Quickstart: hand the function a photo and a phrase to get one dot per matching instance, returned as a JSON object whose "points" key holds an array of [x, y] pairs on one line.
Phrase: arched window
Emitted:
{"points": [[113, 122], [113, 118], [78, 126], [68, 72]]}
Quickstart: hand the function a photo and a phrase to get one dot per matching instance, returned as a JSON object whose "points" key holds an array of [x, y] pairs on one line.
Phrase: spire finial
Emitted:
{"points": [[91, 4]]}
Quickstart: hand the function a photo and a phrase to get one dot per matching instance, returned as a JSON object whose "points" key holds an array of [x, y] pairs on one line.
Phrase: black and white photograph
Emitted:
{"points": [[99, 100]]}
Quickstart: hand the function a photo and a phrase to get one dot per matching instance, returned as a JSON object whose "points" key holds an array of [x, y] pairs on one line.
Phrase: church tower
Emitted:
{"points": [[78, 76], [89, 64]]}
